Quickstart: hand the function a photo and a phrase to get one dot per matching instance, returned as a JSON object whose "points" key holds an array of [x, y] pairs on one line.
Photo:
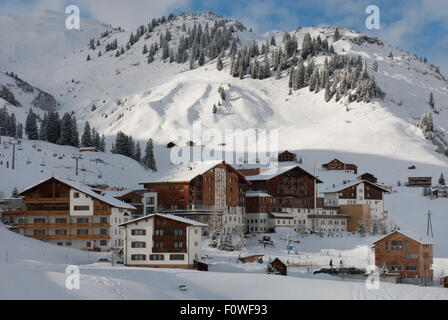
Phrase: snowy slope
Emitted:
{"points": [[35, 270], [33, 166]]}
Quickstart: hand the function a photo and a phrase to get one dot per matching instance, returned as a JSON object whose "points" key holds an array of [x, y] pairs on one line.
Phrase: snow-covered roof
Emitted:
{"points": [[182, 173], [282, 214], [255, 194], [168, 216], [187, 172], [351, 184], [85, 189], [411, 234], [269, 173], [439, 188]]}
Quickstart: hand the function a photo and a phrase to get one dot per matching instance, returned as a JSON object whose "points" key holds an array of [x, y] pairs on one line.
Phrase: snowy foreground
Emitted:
{"points": [[35, 270]]}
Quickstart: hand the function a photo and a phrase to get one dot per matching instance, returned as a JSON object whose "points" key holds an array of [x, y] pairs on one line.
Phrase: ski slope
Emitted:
{"points": [[36, 270]]}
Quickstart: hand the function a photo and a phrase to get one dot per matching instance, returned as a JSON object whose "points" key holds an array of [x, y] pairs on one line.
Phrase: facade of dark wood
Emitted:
{"points": [[419, 182], [287, 156], [290, 189], [280, 267], [338, 165], [200, 191], [134, 198], [368, 177]]}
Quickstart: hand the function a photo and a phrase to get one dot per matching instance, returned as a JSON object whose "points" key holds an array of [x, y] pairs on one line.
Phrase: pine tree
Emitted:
{"points": [[375, 66], [219, 64], [88, 58], [442, 180], [66, 130], [20, 131], [103, 144], [336, 35], [214, 109], [391, 56], [74, 132], [53, 127], [148, 160], [31, 126], [328, 94], [432, 102], [15, 193], [138, 153], [86, 138]]}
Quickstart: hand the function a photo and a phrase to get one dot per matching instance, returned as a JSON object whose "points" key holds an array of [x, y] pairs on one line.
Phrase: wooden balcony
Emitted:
{"points": [[13, 213], [70, 236], [62, 225], [47, 200]]}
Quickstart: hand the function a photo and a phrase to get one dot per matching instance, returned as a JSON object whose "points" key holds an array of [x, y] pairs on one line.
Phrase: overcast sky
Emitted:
{"points": [[418, 26]]}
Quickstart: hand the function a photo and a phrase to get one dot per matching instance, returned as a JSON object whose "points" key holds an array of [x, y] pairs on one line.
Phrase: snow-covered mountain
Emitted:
{"points": [[159, 98]]}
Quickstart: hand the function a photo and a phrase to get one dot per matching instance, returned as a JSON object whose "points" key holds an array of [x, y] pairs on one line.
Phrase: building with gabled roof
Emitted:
{"points": [[358, 192], [208, 185], [339, 165], [162, 241], [68, 213], [406, 254], [440, 192]]}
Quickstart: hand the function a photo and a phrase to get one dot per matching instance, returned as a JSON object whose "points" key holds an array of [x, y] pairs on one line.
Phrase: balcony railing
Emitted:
{"points": [[71, 236], [62, 225]]}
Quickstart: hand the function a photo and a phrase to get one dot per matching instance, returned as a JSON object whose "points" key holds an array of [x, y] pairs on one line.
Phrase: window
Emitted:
{"points": [[60, 244], [396, 268], [138, 232], [39, 221], [83, 220], [138, 257], [397, 244], [103, 243], [61, 220], [103, 220], [158, 244], [176, 257], [39, 232], [76, 195], [138, 244], [178, 232], [150, 200], [88, 244], [82, 208], [157, 257], [104, 208], [103, 231], [158, 232], [387, 244], [68, 244], [60, 231], [406, 245], [411, 255], [178, 245], [411, 268], [83, 232]]}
